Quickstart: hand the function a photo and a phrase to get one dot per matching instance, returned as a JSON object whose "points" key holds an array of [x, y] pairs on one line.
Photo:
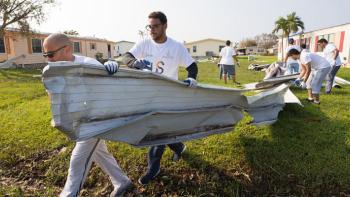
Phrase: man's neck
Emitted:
{"points": [[161, 40]]}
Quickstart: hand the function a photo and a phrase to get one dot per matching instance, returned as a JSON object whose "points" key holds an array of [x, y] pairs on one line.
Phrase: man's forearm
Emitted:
{"points": [[336, 54], [307, 72], [303, 71], [192, 70], [235, 58], [128, 59]]}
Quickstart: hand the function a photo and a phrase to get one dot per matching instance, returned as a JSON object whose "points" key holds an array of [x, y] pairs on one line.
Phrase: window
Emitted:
{"points": [[92, 46], [76, 47], [220, 47], [36, 46], [194, 49], [2, 45]]}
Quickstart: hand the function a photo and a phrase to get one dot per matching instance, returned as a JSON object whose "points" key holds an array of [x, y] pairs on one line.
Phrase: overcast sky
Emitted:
{"points": [[189, 20]]}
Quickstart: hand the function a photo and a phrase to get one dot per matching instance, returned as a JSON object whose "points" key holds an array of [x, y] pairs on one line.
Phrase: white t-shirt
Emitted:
{"points": [[291, 60], [329, 54], [293, 47], [165, 58], [226, 54], [317, 62], [85, 60]]}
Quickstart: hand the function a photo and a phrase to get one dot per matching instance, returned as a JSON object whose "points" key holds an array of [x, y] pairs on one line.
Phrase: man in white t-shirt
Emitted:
{"points": [[161, 55], [316, 69], [293, 66], [331, 53], [58, 47], [227, 54]]}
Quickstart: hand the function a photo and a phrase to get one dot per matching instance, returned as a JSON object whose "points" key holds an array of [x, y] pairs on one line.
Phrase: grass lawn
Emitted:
{"points": [[306, 153]]}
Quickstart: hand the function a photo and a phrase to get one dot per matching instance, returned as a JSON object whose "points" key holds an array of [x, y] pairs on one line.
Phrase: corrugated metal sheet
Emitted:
{"points": [[144, 108]]}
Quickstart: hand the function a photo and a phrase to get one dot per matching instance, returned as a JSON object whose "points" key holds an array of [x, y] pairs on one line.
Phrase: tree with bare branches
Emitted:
{"points": [[20, 13]]}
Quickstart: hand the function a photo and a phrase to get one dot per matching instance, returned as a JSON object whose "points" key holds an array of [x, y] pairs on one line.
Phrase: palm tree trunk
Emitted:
{"points": [[282, 48]]}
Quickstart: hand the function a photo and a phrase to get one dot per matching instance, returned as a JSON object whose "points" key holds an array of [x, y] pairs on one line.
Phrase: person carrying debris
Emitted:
{"points": [[331, 53], [58, 47], [227, 54], [163, 55], [315, 70], [293, 66]]}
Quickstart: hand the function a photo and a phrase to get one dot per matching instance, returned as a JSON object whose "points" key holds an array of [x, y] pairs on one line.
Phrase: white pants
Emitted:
{"points": [[83, 154], [316, 79]]}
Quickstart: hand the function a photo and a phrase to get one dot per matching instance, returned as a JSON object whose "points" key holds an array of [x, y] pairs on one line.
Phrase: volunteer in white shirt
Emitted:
{"points": [[227, 54], [331, 53], [317, 68], [161, 55], [293, 66], [58, 47]]}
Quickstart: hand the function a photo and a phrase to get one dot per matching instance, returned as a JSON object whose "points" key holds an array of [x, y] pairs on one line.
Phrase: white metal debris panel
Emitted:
{"points": [[144, 108]]}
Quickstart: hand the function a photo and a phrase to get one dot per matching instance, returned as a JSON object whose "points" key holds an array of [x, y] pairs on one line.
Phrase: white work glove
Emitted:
{"points": [[111, 67], [303, 85], [192, 83]]}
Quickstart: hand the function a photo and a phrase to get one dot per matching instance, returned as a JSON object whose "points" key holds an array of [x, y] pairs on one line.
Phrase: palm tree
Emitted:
{"points": [[288, 25], [294, 23], [281, 25]]}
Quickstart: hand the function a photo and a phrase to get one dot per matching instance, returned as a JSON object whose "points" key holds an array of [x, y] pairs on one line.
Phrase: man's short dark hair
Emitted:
{"points": [[290, 40], [159, 15], [228, 43], [293, 52], [322, 41], [303, 46]]}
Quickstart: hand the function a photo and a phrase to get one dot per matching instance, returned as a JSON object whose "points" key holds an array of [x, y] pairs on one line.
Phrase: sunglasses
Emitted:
{"points": [[51, 54], [150, 27]]}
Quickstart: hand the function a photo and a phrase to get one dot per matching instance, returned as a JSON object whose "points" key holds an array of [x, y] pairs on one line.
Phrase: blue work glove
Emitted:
{"points": [[143, 65], [297, 82], [111, 67], [192, 83]]}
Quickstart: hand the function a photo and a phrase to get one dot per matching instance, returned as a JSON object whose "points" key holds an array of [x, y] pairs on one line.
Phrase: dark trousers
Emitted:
{"points": [[155, 153], [330, 78]]}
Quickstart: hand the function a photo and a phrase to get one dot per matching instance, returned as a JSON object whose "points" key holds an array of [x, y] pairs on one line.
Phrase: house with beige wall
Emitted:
{"points": [[205, 48], [15, 44], [123, 46], [338, 35]]}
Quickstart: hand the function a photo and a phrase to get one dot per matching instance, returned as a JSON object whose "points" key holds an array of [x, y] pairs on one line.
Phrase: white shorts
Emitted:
{"points": [[316, 79]]}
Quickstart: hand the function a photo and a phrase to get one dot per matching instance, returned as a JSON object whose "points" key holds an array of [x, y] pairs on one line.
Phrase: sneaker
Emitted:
{"points": [[310, 100], [122, 189], [177, 156], [316, 102], [237, 83], [149, 176]]}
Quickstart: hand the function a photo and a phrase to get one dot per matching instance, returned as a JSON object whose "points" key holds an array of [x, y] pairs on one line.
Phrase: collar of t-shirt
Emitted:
{"points": [[160, 45]]}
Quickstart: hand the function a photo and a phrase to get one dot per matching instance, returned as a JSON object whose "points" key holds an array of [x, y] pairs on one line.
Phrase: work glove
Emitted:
{"points": [[297, 82], [192, 83], [143, 65], [303, 85], [111, 67]]}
